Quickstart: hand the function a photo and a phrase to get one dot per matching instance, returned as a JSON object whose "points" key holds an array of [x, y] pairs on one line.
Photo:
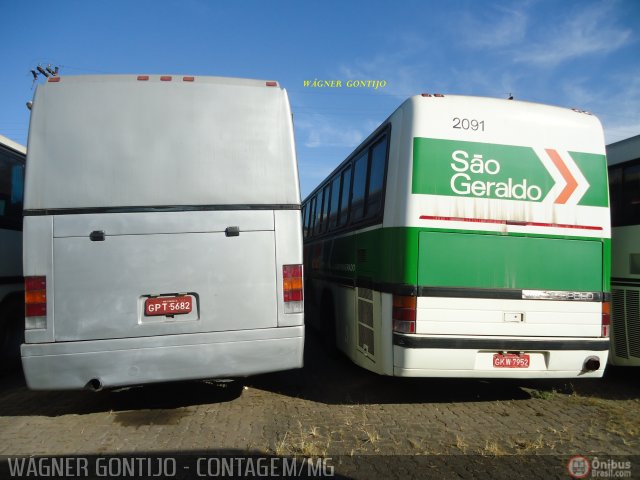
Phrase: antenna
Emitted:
{"points": [[48, 71]]}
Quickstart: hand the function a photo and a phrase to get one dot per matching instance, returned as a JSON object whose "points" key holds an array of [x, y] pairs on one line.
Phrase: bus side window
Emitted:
{"points": [[359, 186], [615, 191], [376, 178], [325, 208], [335, 199], [317, 213], [11, 194], [344, 197], [304, 220], [631, 195], [312, 210]]}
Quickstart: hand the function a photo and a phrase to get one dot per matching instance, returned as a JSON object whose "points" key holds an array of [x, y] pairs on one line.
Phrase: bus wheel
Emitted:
{"points": [[11, 334]]}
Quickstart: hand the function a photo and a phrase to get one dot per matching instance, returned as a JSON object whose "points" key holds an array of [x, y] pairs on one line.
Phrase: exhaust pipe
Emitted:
{"points": [[95, 385], [591, 364]]}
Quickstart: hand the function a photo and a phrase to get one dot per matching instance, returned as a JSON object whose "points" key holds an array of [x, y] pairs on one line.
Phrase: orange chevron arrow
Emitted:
{"points": [[572, 183]]}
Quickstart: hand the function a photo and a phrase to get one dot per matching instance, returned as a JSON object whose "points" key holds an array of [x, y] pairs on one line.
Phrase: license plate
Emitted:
{"points": [[168, 305], [511, 360]]}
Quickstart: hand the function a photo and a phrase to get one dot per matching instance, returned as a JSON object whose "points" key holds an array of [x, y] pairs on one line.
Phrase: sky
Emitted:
{"points": [[583, 54]]}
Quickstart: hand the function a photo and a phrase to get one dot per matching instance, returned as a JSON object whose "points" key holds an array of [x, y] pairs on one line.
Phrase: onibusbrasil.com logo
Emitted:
{"points": [[582, 467]]}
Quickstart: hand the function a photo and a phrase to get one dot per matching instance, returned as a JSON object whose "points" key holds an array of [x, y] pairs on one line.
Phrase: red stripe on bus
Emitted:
{"points": [[509, 222]]}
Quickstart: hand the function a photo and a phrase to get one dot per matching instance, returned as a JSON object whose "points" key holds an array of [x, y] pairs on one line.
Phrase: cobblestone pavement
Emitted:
{"points": [[333, 408]]}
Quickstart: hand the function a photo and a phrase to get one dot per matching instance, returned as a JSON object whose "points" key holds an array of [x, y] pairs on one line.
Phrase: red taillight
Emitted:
{"points": [[404, 314], [292, 283], [35, 296], [292, 288], [606, 319]]}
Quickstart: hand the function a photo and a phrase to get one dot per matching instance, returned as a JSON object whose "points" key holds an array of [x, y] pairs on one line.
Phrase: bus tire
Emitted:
{"points": [[11, 333]]}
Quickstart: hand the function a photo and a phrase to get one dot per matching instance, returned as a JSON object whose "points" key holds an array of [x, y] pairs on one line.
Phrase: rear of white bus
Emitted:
{"points": [[162, 235], [510, 213]]}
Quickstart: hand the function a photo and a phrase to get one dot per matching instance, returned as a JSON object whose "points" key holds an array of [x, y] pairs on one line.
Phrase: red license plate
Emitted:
{"points": [[168, 305], [511, 360]]}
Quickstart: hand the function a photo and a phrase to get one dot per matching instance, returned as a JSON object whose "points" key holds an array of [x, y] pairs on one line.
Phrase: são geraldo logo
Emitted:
{"points": [[543, 174], [462, 182]]}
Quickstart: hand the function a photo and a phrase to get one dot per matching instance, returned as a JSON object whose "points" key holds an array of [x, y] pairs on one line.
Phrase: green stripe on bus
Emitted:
{"points": [[594, 169], [474, 259], [492, 261]]}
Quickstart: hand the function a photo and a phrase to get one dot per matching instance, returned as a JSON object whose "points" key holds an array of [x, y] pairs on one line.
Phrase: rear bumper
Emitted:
{"points": [[134, 361], [416, 356]]}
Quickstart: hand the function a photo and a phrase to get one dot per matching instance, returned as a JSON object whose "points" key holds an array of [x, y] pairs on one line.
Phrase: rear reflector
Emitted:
{"points": [[292, 288], [35, 300], [404, 314], [606, 319]]}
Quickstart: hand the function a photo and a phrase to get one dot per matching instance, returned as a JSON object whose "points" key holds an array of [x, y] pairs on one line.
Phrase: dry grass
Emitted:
{"points": [[308, 443], [492, 448], [461, 444]]}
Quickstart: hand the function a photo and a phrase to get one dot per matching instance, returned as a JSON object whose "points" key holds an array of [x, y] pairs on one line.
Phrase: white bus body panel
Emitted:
{"points": [[162, 170]]}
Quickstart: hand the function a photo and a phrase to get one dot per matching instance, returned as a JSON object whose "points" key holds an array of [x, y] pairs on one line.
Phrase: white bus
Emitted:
{"points": [[624, 183], [162, 231], [12, 158], [466, 237]]}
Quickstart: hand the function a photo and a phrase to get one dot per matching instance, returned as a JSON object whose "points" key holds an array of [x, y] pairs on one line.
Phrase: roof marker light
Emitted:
{"points": [[188, 79], [165, 78], [143, 77], [427, 95], [53, 79], [271, 84]]}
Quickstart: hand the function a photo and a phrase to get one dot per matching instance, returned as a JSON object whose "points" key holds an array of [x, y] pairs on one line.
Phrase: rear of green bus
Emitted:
{"points": [[507, 238]]}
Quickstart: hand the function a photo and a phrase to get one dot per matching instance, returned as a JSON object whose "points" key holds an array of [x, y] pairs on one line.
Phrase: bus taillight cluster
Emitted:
{"points": [[404, 314], [35, 299]]}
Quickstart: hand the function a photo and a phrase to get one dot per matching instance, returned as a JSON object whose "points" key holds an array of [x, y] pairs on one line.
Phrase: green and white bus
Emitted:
{"points": [[466, 237], [624, 181]]}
